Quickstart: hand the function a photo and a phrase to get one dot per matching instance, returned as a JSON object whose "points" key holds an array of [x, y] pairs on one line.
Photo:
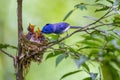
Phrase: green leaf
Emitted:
{"points": [[115, 66], [97, 0], [110, 1], [4, 46], [53, 37], [94, 53], [109, 72], [80, 61], [99, 4], [117, 20], [69, 74], [68, 14], [118, 7], [86, 67], [7, 46], [60, 58], [91, 43], [81, 6], [87, 47], [102, 9], [72, 50], [88, 78], [55, 53]]}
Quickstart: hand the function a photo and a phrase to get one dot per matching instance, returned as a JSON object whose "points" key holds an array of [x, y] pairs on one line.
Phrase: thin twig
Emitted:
{"points": [[98, 19], [6, 53], [93, 18], [101, 25], [81, 29]]}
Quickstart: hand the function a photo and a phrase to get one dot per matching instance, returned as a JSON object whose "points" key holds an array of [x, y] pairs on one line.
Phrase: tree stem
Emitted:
{"points": [[19, 74]]}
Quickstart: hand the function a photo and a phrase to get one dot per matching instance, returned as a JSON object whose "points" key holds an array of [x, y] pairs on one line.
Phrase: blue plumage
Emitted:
{"points": [[48, 28], [56, 28]]}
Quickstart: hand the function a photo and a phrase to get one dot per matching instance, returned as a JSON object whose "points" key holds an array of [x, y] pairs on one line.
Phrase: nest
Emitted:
{"points": [[31, 51]]}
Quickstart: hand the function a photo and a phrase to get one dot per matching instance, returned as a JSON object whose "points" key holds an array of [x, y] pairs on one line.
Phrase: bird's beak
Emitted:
{"points": [[31, 27], [38, 33]]}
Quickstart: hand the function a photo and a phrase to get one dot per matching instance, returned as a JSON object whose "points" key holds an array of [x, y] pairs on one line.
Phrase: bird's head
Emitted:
{"points": [[48, 28], [31, 28]]}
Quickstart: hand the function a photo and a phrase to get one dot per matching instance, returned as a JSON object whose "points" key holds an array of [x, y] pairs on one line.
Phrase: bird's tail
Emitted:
{"points": [[75, 27]]}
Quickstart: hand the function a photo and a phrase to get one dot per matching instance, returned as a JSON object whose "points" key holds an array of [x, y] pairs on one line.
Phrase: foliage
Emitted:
{"points": [[70, 73], [100, 43], [7, 46]]}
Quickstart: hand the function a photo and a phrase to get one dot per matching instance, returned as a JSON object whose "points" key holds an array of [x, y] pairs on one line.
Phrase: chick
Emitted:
{"points": [[30, 31]]}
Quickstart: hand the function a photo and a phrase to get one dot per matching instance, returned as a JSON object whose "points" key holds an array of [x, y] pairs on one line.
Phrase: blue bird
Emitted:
{"points": [[57, 28]]}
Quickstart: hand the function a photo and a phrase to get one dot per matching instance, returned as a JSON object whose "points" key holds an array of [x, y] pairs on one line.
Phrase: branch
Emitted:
{"points": [[81, 29], [98, 19], [101, 25], [9, 55]]}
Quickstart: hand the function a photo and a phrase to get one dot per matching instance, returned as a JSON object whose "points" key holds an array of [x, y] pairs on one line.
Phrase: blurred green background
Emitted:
{"points": [[40, 12]]}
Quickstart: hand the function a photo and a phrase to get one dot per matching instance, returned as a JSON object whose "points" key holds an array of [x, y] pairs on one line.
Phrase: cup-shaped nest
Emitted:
{"points": [[32, 51]]}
